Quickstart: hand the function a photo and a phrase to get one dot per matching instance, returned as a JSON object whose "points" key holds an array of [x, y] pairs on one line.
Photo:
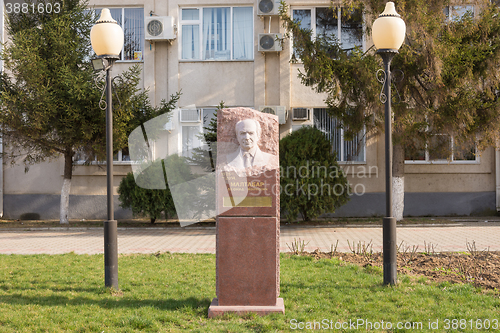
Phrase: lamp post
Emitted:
{"points": [[106, 38], [388, 33]]}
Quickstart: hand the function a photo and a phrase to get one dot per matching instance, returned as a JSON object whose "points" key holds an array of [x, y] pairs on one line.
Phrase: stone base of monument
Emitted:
{"points": [[217, 310], [247, 261], [247, 266]]}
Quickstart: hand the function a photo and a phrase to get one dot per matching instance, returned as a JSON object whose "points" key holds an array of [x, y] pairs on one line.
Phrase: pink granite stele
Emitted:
{"points": [[247, 256]]}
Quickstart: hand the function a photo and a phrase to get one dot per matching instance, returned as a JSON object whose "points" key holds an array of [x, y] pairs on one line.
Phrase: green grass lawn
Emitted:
{"points": [[172, 292]]}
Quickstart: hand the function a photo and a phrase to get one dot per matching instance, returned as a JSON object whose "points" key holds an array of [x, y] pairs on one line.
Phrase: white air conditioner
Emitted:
{"points": [[190, 116], [158, 28], [277, 110], [268, 7], [270, 42], [300, 114]]}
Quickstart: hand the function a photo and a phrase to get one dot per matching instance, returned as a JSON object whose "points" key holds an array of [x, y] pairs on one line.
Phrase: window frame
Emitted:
{"points": [[122, 53], [118, 161], [451, 15], [451, 160], [200, 124], [121, 161], [199, 22], [340, 153], [313, 25], [198, 144]]}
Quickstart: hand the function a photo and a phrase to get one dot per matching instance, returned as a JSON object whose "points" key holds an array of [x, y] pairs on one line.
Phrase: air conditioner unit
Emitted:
{"points": [[158, 28], [277, 110], [300, 114], [270, 42], [268, 7], [190, 115]]}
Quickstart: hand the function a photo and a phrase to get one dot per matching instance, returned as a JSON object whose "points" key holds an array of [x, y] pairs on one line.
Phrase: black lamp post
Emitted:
{"points": [[388, 33], [106, 37]]}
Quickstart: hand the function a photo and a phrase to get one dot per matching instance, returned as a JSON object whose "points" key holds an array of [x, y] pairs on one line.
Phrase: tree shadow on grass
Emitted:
{"points": [[108, 302], [55, 289]]}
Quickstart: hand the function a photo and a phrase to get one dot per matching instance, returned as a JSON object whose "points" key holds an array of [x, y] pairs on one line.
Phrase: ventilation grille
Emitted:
{"points": [[190, 115], [300, 114]]}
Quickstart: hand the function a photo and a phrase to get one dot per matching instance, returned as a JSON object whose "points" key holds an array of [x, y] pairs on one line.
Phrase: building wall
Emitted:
{"points": [[270, 79]]}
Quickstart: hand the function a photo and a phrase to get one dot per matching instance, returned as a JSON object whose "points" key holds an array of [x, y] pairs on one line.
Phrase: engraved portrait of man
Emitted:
{"points": [[248, 154]]}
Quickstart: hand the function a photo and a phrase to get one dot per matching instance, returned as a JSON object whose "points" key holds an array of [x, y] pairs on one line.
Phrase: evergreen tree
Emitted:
{"points": [[311, 180], [49, 100], [206, 158], [153, 202], [450, 84]]}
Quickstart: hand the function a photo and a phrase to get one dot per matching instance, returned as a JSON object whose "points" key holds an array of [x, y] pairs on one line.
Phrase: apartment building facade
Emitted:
{"points": [[213, 51]]}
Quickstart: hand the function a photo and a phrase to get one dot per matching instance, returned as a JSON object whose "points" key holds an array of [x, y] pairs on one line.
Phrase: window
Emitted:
{"points": [[191, 132], [190, 140], [338, 23], [122, 156], [208, 115], [132, 22], [455, 13], [440, 148], [80, 158], [218, 33], [352, 151]]}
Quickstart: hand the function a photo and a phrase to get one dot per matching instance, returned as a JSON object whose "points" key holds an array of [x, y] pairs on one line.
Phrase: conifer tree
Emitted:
{"points": [[311, 181], [49, 100], [449, 91]]}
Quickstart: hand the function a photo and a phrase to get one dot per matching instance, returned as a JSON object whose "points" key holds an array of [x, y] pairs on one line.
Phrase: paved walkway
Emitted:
{"points": [[202, 240]]}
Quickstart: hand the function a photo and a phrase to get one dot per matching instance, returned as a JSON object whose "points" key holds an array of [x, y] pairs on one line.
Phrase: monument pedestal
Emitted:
{"points": [[247, 261], [218, 310], [247, 277]]}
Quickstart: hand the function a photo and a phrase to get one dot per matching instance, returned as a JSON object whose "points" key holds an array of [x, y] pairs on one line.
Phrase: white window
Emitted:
{"points": [[338, 23], [132, 22], [192, 133], [347, 150], [190, 140], [121, 157], [217, 33], [441, 148]]}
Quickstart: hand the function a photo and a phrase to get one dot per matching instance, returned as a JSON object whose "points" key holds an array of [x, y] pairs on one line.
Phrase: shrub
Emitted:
{"points": [[311, 181], [144, 201]]}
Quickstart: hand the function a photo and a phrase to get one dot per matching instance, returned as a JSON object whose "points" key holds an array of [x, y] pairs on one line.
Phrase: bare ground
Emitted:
{"points": [[480, 268]]}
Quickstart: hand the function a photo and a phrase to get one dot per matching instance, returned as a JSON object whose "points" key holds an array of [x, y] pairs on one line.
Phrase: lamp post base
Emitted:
{"points": [[390, 250], [111, 254]]}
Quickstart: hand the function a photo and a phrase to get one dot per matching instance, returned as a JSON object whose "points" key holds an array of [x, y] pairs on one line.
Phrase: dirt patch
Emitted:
{"points": [[481, 268]]}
